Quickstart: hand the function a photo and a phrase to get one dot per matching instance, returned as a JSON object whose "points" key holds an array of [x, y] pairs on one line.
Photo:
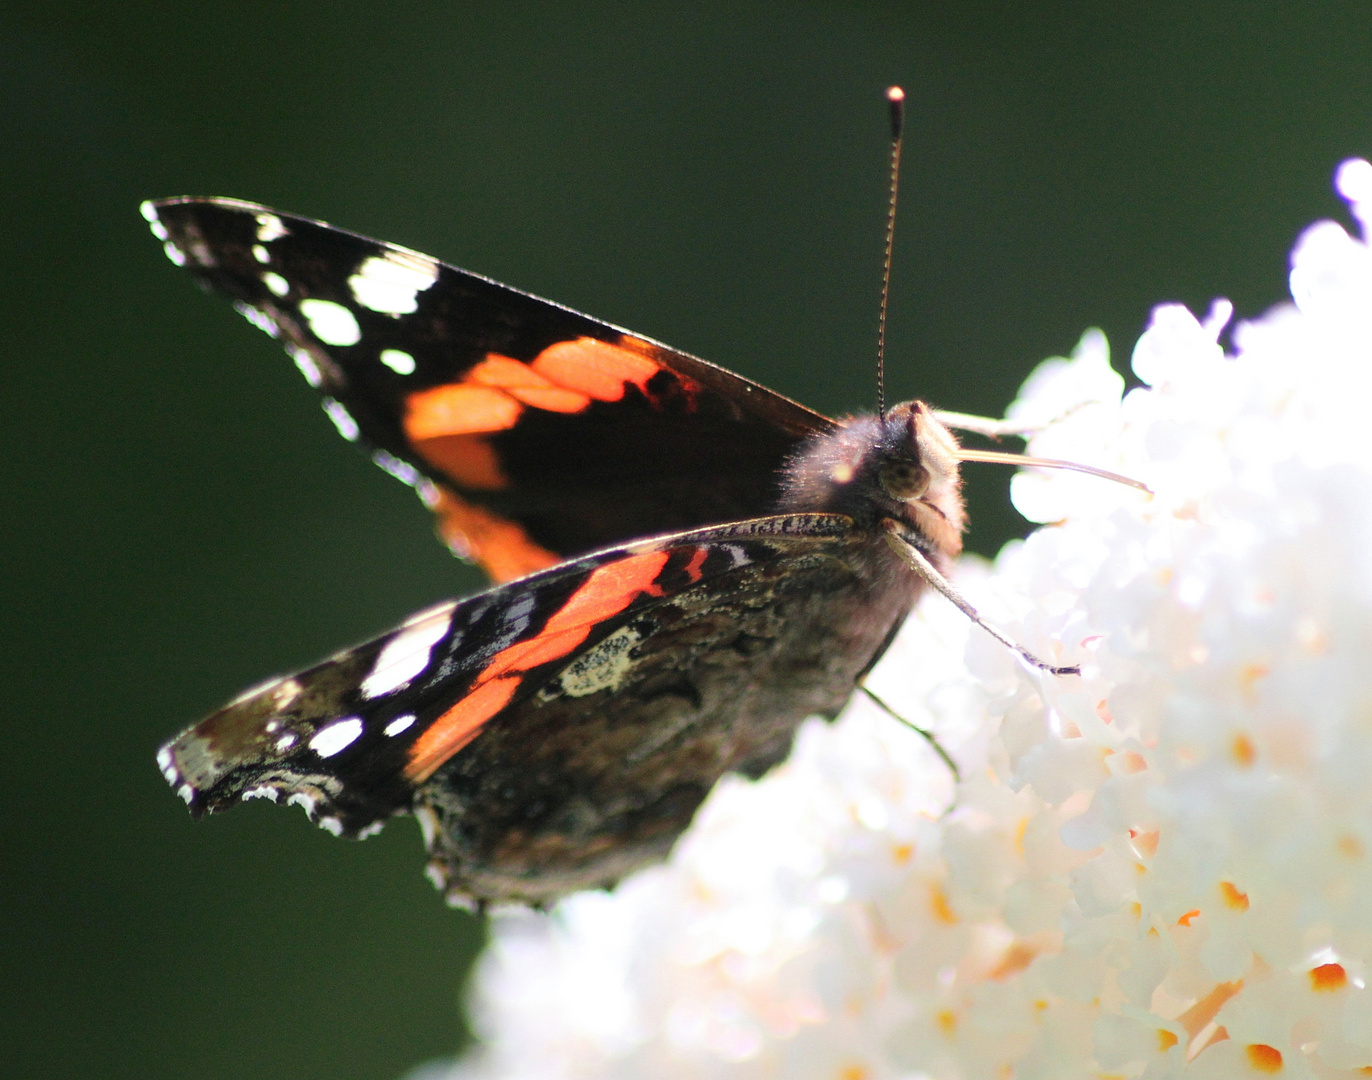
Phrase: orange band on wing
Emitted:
{"points": [[457, 727], [442, 422], [608, 591], [594, 367], [459, 409], [468, 459], [605, 593], [501, 371], [694, 567], [550, 398], [502, 548]]}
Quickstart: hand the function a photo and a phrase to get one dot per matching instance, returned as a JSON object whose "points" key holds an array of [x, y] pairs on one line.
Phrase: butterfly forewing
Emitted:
{"points": [[536, 433]]}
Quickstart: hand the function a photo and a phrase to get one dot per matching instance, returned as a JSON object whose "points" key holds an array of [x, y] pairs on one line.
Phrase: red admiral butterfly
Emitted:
{"points": [[691, 565]]}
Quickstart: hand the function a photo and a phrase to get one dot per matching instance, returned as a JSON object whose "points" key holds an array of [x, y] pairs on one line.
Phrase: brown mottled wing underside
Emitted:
{"points": [[580, 716]]}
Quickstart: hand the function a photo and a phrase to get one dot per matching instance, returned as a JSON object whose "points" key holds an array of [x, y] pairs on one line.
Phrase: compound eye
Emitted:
{"points": [[904, 480]]}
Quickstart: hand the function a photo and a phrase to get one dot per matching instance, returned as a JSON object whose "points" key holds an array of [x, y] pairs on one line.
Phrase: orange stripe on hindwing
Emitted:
{"points": [[609, 590], [458, 726]]}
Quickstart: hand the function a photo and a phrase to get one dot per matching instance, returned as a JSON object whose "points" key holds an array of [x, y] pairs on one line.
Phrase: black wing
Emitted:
{"points": [[535, 433]]}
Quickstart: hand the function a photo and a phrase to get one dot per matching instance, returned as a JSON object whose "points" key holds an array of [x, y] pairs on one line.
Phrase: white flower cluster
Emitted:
{"points": [[1160, 869]]}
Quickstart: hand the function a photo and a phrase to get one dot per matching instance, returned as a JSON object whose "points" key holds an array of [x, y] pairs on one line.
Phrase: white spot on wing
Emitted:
{"points": [[305, 802], [342, 419], [276, 283], [429, 827], [259, 319], [269, 228], [148, 211], [174, 253], [158, 230], [399, 724], [331, 323], [285, 742], [407, 653], [331, 825], [305, 362], [370, 830], [265, 791], [392, 281], [186, 792], [399, 361], [737, 556], [337, 737], [164, 757], [401, 470], [260, 254]]}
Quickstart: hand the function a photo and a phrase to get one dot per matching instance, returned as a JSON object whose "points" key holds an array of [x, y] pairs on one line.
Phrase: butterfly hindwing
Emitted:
{"points": [[423, 718], [536, 433]]}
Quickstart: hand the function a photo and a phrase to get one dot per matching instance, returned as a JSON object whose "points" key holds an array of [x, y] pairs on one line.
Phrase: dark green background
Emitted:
{"points": [[180, 520]]}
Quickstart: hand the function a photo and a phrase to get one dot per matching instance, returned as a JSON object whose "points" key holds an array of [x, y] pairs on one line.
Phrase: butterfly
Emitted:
{"points": [[687, 565]]}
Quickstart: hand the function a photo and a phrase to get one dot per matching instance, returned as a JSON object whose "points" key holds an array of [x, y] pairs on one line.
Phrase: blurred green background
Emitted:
{"points": [[180, 520]]}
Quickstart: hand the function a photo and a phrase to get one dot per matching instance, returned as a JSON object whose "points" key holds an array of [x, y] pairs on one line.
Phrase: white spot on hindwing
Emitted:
{"points": [[337, 737], [260, 254], [603, 667], [285, 742], [278, 285], [399, 361], [269, 228], [331, 323], [342, 419], [429, 825], [407, 653], [390, 283], [305, 802], [263, 791], [399, 724], [167, 764], [737, 556]]}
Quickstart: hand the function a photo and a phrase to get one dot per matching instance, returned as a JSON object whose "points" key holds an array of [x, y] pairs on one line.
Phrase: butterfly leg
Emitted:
{"points": [[916, 560], [927, 736]]}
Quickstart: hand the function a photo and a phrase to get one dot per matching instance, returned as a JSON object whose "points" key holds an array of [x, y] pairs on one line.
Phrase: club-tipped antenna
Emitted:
{"points": [[896, 97], [1002, 457]]}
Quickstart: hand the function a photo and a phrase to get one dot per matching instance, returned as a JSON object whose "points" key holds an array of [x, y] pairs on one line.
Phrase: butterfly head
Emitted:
{"points": [[903, 466]]}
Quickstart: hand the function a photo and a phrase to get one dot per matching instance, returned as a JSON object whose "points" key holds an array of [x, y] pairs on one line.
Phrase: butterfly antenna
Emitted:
{"points": [[896, 96]]}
